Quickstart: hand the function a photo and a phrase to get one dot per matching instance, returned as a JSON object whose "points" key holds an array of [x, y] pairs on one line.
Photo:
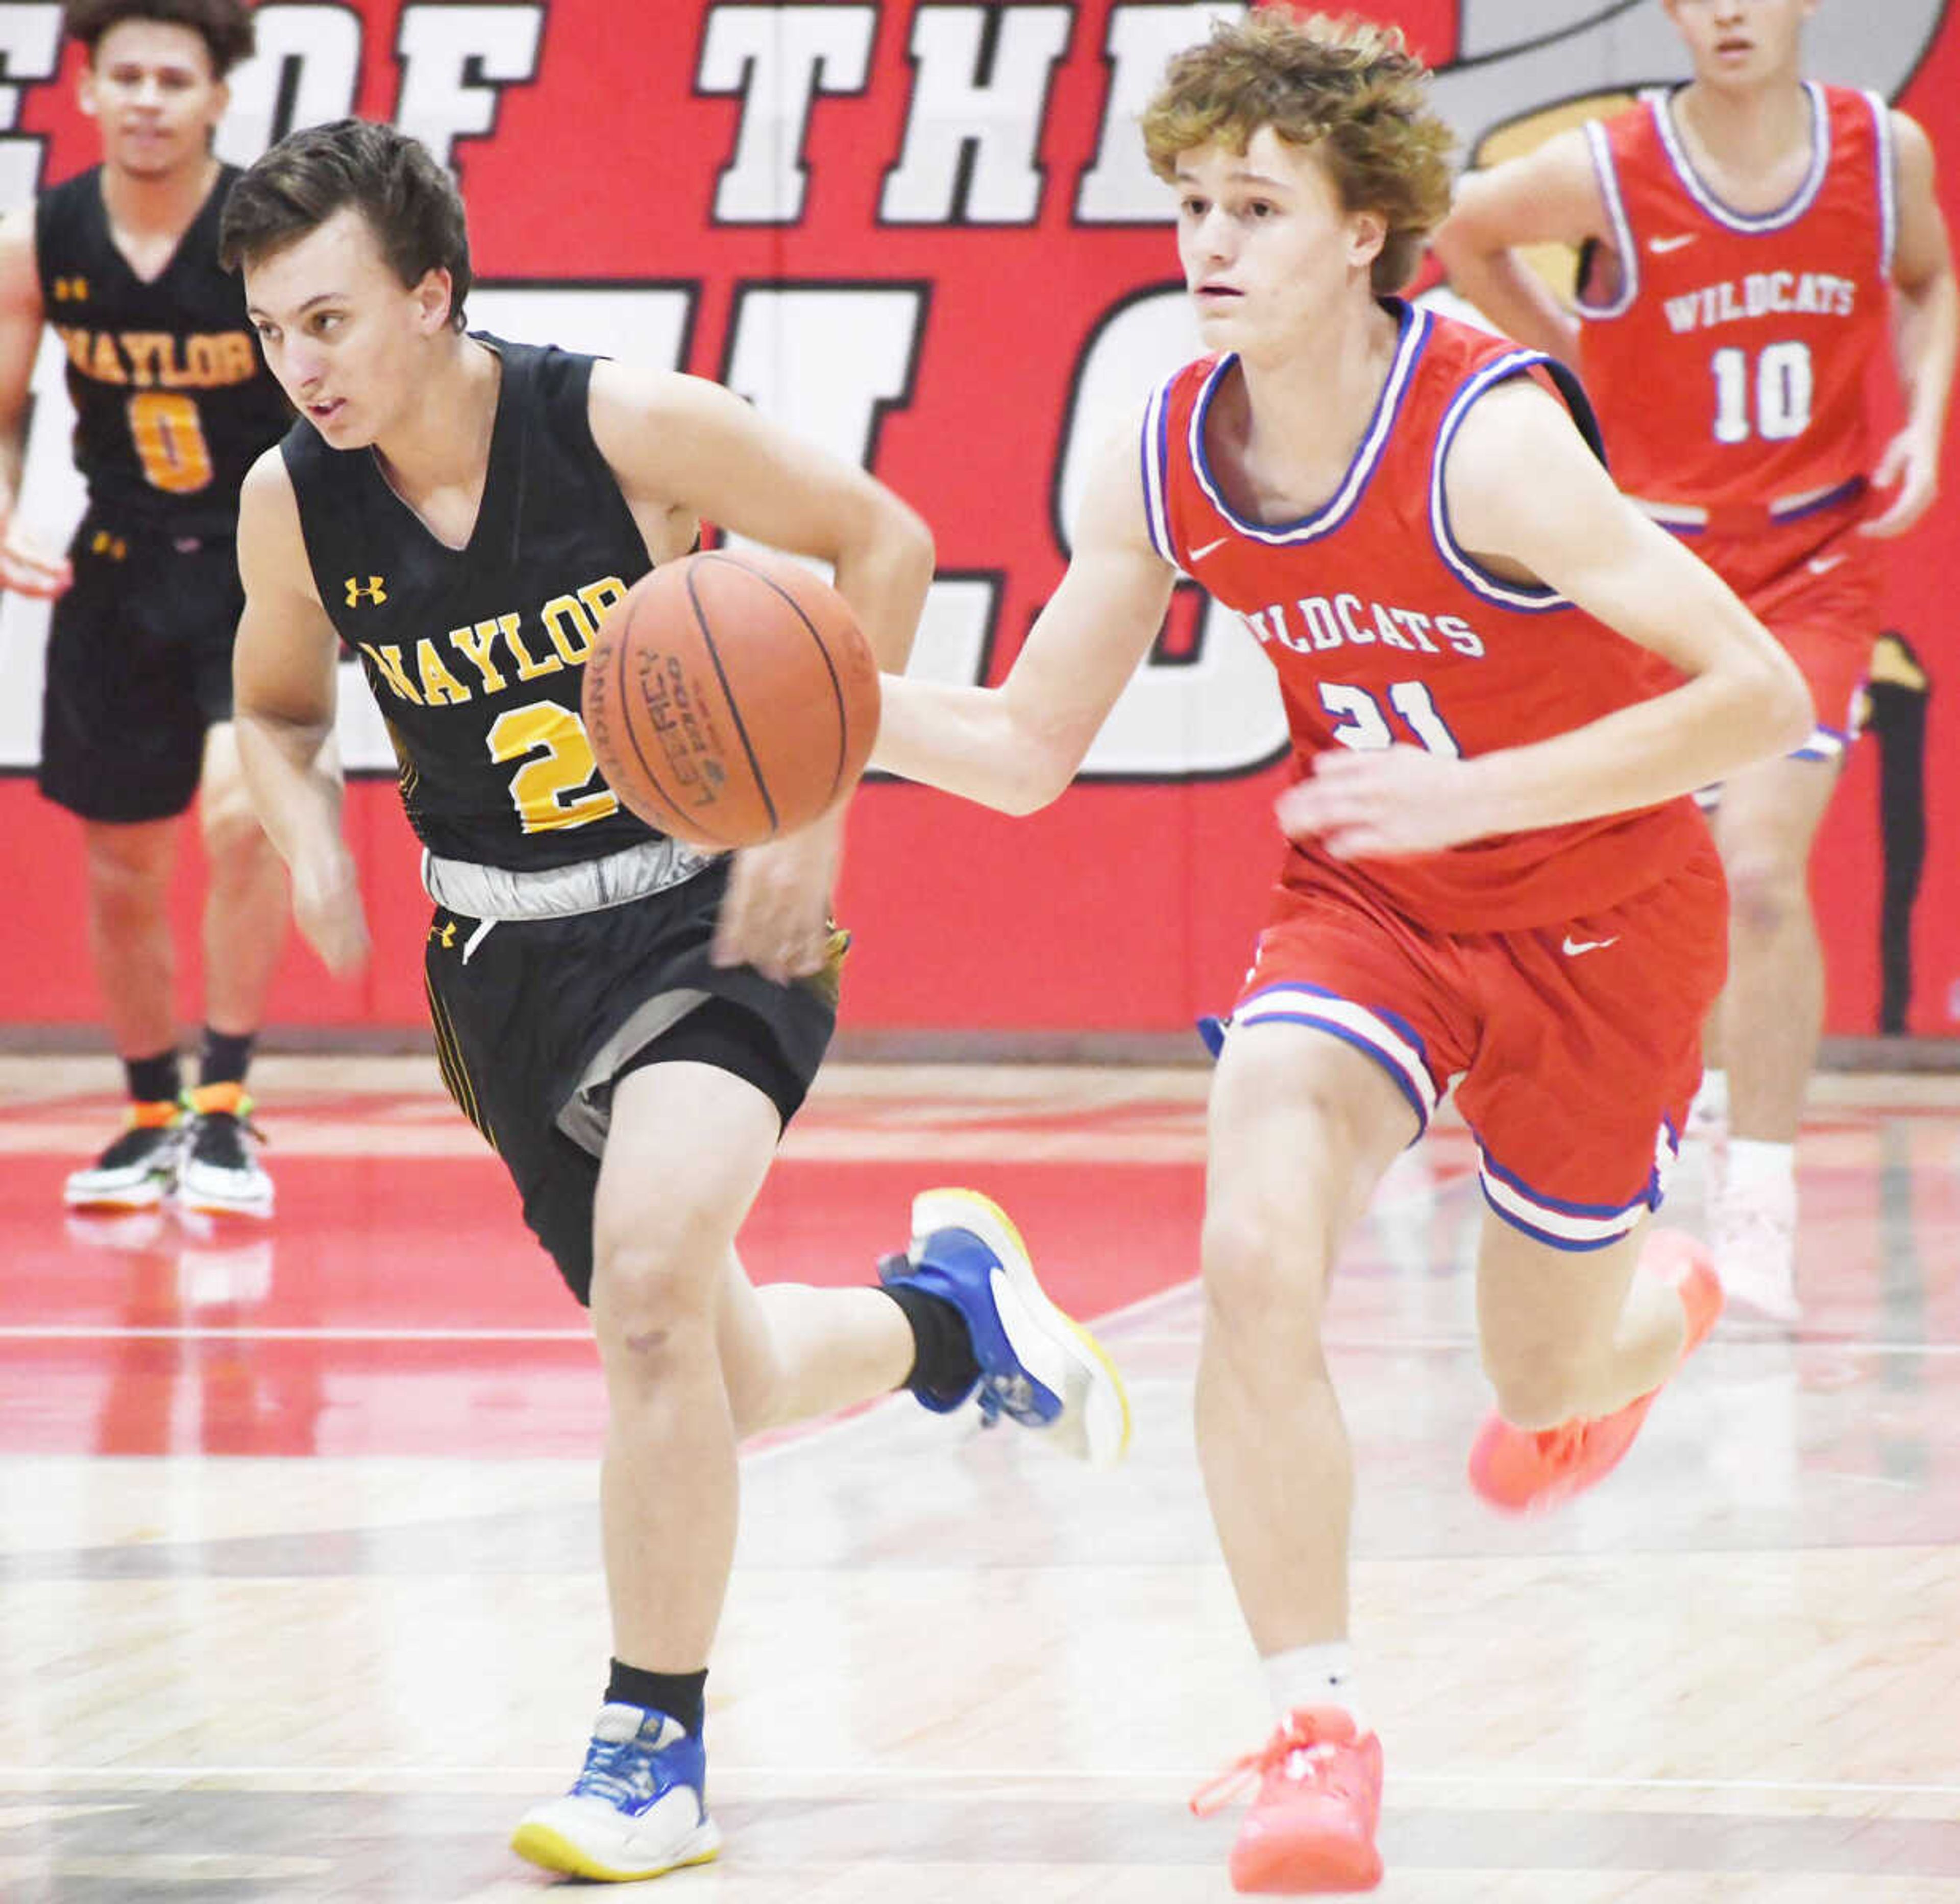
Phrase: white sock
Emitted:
{"points": [[1762, 1176], [1712, 1100], [1314, 1676]]}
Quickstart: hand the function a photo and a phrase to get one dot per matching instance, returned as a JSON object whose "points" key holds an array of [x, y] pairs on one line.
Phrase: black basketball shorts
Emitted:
{"points": [[537, 1020], [139, 667]]}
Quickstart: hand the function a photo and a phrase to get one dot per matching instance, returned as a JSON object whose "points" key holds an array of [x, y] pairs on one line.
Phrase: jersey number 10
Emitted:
{"points": [[1783, 386]]}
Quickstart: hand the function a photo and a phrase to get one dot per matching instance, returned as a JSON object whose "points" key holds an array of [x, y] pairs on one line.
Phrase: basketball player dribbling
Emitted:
{"points": [[633, 1078], [1744, 238], [1503, 683]]}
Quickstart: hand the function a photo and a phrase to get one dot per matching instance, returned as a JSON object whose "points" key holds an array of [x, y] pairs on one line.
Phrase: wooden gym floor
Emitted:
{"points": [[299, 1588]]}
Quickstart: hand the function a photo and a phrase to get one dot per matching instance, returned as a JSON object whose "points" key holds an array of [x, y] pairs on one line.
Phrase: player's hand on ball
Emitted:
{"points": [[775, 915], [327, 909], [1381, 803]]}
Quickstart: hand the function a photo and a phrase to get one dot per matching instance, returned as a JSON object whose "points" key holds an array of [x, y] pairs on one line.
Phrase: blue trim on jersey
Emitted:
{"points": [[1848, 491], [1415, 326], [1881, 127], [1750, 226], [1153, 448], [1510, 595], [1608, 177]]}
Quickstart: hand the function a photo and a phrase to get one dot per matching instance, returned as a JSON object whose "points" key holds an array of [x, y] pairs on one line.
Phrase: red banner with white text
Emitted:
{"points": [[923, 234]]}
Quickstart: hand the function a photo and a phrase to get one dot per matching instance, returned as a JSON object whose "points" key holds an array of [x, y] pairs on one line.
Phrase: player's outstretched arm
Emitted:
{"points": [[25, 566], [1528, 499], [1927, 325], [681, 443], [1016, 747], [1548, 196], [283, 689]]}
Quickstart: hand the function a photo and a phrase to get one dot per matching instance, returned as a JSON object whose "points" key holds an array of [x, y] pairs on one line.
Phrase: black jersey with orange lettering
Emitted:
{"points": [[477, 654], [173, 401]]}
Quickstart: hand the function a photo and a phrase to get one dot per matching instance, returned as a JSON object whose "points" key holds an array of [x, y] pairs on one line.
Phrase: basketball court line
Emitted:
{"points": [[1770, 1337], [987, 1779], [115, 1332], [120, 1332]]}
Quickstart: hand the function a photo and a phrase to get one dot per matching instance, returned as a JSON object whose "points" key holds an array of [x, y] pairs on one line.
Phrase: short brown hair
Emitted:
{"points": [[224, 25], [1349, 88], [410, 202]]}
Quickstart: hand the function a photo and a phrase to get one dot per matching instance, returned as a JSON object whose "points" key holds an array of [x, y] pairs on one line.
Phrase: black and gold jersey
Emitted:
{"points": [[477, 654], [173, 400]]}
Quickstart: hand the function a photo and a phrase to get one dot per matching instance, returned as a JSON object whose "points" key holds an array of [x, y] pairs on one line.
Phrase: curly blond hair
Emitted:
{"points": [[1347, 88]]}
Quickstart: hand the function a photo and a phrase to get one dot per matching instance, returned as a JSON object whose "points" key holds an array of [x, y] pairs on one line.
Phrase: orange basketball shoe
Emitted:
{"points": [[1312, 1826], [1524, 1471]]}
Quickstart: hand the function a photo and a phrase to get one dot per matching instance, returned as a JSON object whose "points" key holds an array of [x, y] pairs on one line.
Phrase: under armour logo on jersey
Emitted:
{"points": [[370, 591], [70, 291]]}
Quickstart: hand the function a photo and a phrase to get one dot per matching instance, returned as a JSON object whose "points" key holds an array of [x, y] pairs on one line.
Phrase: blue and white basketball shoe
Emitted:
{"points": [[1038, 1366], [637, 1809]]}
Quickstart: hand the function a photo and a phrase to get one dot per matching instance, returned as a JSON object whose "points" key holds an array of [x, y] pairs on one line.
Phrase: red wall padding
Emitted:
{"points": [[1130, 905]]}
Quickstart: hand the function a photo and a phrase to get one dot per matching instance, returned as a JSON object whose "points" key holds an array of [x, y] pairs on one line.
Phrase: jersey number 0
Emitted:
{"points": [[169, 436]]}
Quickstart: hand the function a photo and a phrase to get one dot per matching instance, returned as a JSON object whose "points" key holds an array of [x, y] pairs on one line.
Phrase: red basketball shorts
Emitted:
{"points": [[1575, 1048], [1821, 594]]}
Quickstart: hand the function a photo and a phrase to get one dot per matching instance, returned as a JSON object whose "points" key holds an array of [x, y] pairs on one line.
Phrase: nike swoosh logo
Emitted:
{"points": [[1660, 247], [1824, 565], [1199, 555], [1572, 947]]}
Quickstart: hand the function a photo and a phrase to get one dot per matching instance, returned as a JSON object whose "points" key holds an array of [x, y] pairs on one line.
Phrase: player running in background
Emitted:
{"points": [[1746, 241], [173, 402]]}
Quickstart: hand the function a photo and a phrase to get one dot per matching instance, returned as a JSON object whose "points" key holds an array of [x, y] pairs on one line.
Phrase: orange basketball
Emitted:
{"points": [[730, 696]]}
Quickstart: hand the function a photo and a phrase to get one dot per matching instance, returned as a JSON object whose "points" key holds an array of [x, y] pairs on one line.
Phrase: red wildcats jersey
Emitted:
{"points": [[1382, 630], [1729, 362]]}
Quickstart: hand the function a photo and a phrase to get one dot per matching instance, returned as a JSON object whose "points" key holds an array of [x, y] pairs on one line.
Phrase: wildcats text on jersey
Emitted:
{"points": [[1344, 620], [487, 649], [1763, 294]]}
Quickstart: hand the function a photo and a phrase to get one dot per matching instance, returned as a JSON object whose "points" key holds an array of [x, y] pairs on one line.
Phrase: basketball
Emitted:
{"points": [[730, 696]]}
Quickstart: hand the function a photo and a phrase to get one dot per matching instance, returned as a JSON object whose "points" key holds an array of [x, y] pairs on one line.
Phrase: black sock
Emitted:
{"points": [[682, 1697], [943, 1367], [225, 1057], [157, 1080]]}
